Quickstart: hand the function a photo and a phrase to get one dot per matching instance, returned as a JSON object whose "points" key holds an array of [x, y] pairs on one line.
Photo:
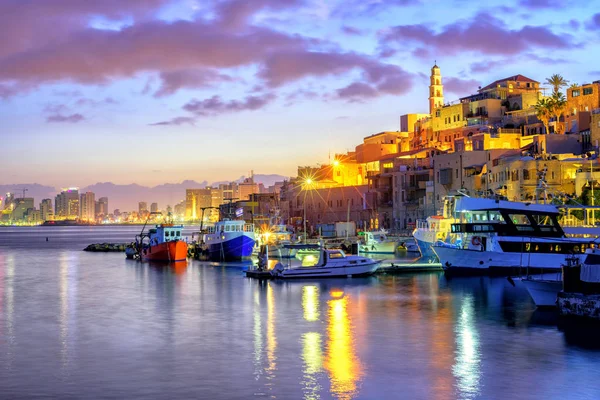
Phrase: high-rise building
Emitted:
{"points": [[87, 206], [46, 211], [142, 207], [195, 201], [154, 207], [247, 188], [102, 207], [21, 206], [66, 204]]}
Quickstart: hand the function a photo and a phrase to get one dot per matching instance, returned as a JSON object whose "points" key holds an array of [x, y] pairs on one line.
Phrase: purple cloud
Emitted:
{"points": [[349, 30], [460, 87], [216, 105], [72, 118], [483, 34], [172, 81], [176, 121]]}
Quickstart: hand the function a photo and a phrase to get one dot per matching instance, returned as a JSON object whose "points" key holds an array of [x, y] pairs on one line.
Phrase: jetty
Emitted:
{"points": [[106, 247]]}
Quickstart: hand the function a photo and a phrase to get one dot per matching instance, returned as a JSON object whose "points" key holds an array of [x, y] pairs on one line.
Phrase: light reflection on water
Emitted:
{"points": [[466, 367], [81, 325], [341, 363]]}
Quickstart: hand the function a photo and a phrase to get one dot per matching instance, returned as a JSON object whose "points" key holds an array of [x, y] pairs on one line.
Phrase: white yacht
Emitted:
{"points": [[331, 263], [376, 243], [504, 237]]}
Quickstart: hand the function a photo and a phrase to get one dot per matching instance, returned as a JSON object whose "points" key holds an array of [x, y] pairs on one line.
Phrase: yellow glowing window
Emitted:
{"points": [[388, 165]]}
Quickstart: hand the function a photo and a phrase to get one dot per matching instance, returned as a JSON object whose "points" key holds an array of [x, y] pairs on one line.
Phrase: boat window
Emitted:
{"points": [[238, 228], [495, 216], [178, 233], [336, 255], [166, 233], [519, 219]]}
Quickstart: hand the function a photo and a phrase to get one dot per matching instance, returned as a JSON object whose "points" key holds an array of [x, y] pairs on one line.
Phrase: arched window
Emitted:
{"points": [[438, 94]]}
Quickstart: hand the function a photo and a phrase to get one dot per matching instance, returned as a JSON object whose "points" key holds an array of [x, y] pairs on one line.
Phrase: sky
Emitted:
{"points": [[155, 91]]}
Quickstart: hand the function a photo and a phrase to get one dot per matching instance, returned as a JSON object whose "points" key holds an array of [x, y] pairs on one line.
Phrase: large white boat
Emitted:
{"points": [[376, 243], [504, 237], [331, 263], [229, 240], [278, 238]]}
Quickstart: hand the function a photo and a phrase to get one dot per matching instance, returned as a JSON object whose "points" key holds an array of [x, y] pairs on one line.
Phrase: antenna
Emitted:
{"points": [[24, 190]]}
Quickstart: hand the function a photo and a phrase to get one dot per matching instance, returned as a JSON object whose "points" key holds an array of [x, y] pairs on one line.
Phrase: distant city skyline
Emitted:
{"points": [[167, 90]]}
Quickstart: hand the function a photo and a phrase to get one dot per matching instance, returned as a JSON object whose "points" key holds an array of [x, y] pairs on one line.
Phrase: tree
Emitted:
{"points": [[558, 107], [557, 82], [543, 112]]}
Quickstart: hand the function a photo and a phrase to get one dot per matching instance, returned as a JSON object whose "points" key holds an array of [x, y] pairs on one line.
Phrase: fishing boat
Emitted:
{"points": [[161, 243], [504, 237], [376, 243], [277, 237], [331, 263], [229, 240]]}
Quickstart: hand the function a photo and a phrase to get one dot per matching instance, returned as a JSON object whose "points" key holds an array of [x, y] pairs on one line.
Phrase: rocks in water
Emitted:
{"points": [[106, 247]]}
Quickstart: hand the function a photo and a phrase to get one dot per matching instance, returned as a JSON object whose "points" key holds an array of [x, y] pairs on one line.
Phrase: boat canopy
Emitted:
{"points": [[468, 204]]}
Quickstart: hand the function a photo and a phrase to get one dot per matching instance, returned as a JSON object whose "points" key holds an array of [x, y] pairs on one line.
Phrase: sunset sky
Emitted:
{"points": [[154, 91]]}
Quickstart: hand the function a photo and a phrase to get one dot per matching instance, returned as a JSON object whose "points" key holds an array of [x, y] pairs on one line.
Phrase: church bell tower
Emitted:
{"points": [[436, 90]]}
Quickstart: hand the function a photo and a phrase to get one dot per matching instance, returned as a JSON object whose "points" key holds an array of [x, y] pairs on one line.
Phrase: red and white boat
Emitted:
{"points": [[162, 243]]}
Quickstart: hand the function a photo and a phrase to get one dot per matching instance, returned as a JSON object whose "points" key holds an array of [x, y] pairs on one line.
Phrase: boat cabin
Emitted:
{"points": [[230, 226], [505, 218], [165, 233], [373, 237]]}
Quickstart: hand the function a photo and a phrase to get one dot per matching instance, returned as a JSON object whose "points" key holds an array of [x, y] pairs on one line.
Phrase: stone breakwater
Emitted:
{"points": [[106, 247]]}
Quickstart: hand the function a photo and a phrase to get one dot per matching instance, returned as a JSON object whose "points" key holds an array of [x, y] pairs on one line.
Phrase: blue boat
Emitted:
{"points": [[229, 240]]}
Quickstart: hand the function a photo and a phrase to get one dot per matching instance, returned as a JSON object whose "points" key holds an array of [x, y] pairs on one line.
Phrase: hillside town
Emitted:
{"points": [[516, 138]]}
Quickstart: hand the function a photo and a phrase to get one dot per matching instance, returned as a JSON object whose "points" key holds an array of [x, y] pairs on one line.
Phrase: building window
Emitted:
{"points": [[587, 91], [575, 93]]}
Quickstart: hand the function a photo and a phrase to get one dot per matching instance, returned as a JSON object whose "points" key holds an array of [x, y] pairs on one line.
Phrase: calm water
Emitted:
{"points": [[94, 325]]}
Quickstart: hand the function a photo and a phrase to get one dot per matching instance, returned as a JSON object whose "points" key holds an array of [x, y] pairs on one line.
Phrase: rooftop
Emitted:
{"points": [[515, 78]]}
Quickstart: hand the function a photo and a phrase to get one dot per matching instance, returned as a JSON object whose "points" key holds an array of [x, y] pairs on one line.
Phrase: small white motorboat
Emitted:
{"points": [[331, 263]]}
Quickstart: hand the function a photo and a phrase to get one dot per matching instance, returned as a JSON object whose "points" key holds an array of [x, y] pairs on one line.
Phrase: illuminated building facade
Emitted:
{"points": [[87, 207], [66, 204], [46, 210]]}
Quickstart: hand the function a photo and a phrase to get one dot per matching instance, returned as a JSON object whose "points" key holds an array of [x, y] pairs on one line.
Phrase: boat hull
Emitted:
{"points": [[543, 292], [426, 250], [330, 272], [172, 251], [232, 249], [475, 262]]}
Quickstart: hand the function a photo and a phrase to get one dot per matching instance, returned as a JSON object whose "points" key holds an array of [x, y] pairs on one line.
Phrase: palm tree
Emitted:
{"points": [[558, 107], [544, 112], [557, 82]]}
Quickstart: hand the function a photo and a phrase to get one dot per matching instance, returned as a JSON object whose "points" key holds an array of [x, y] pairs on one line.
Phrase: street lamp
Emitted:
{"points": [[307, 182]]}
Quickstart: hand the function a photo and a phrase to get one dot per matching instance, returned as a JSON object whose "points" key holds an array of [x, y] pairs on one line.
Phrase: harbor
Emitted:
{"points": [[174, 324]]}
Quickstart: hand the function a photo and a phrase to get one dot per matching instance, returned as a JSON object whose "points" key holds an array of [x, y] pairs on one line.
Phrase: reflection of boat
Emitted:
{"points": [[376, 242], [229, 240], [331, 263], [162, 243]]}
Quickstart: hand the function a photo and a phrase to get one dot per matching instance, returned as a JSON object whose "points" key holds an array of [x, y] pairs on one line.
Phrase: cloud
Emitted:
{"points": [[460, 87], [72, 118], [482, 34], [349, 30], [594, 23], [216, 105], [357, 91], [353, 8], [176, 121], [235, 14], [172, 81], [85, 101], [540, 4], [488, 65]]}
